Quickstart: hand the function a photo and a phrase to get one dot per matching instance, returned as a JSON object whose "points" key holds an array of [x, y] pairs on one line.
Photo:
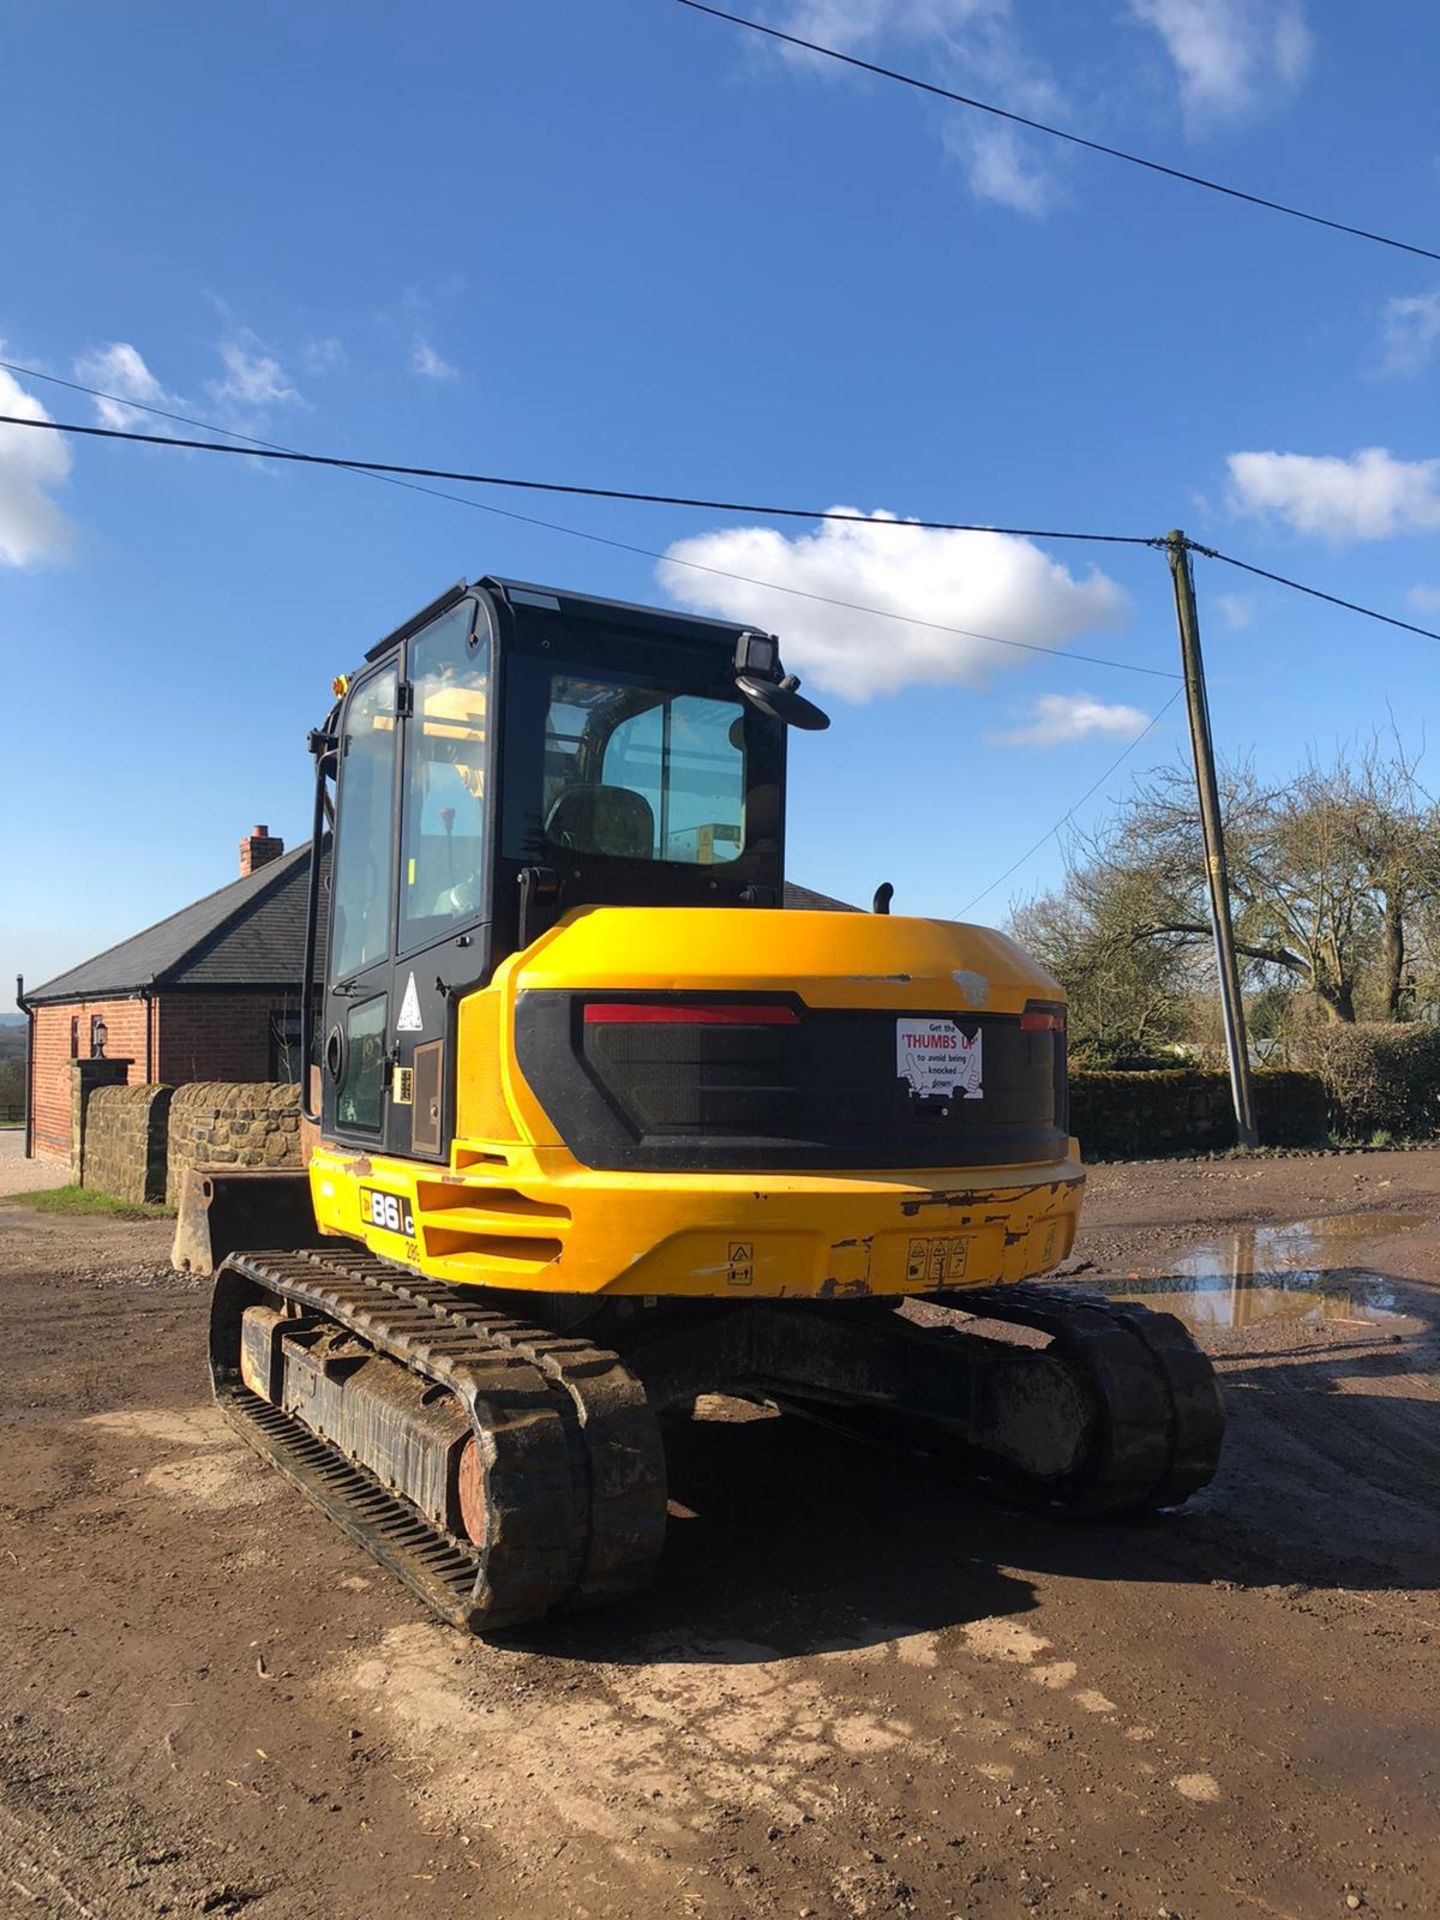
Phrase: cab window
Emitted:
{"points": [[642, 776], [443, 815], [362, 902]]}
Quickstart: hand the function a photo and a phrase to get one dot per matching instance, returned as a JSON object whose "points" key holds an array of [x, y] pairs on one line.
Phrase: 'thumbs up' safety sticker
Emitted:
{"points": [[937, 1059]]}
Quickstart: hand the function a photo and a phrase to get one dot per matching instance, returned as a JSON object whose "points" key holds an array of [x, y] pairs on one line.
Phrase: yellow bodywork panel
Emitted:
{"points": [[515, 1208]]}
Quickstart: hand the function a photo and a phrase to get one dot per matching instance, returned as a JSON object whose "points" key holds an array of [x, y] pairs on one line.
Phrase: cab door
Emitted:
{"points": [[358, 969], [410, 891]]}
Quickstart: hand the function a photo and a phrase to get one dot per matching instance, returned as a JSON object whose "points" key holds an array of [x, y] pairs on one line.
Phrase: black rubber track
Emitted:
{"points": [[614, 1435], [1196, 1409], [558, 1534], [1159, 1419]]}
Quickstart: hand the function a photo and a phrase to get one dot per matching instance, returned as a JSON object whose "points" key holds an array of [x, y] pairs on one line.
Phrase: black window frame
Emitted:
{"points": [[482, 634], [701, 670], [391, 664]]}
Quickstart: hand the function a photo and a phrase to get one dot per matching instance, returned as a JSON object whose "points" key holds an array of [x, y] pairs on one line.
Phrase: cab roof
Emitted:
{"points": [[520, 594]]}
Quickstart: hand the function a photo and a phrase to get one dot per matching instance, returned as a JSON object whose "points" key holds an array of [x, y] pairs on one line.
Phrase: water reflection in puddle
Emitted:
{"points": [[1287, 1272], [1211, 1300]]}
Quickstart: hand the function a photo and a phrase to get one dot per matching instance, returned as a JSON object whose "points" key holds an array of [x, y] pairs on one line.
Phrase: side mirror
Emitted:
{"points": [[766, 685], [782, 701]]}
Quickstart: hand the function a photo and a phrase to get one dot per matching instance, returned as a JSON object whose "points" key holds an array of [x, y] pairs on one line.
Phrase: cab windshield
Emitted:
{"points": [[643, 774]]}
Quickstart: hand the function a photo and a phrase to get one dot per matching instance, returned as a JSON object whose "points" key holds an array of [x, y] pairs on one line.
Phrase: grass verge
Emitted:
{"points": [[85, 1200]]}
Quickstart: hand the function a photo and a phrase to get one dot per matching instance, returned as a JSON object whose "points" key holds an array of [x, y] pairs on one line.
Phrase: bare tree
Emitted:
{"points": [[1335, 880]]}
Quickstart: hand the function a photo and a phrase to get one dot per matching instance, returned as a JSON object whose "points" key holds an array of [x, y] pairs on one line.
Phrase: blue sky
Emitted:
{"points": [[627, 245]]}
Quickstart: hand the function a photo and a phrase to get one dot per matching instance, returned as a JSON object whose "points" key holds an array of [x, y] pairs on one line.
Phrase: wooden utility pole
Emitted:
{"points": [[1216, 873]]}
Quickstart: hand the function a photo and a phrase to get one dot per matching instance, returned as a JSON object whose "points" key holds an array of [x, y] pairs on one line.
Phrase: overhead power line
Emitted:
{"points": [[606, 540], [1069, 814], [1058, 133], [405, 475], [566, 487], [1315, 593]]}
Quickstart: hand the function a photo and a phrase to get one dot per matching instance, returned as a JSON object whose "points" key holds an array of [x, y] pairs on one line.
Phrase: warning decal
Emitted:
{"points": [[410, 1021], [937, 1059]]}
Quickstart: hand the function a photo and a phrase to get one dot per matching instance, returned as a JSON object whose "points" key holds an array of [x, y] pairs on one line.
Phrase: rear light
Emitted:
{"points": [[636, 1013], [1042, 1020]]}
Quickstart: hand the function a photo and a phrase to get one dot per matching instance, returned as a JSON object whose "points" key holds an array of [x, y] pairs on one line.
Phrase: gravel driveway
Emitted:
{"points": [[19, 1175]]}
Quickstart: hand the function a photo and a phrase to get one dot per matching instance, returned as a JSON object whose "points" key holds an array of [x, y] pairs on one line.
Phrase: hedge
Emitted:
{"points": [[1133, 1116], [1378, 1078]]}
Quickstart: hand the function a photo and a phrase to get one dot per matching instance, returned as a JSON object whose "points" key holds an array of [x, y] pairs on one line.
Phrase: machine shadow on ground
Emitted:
{"points": [[786, 1539]]}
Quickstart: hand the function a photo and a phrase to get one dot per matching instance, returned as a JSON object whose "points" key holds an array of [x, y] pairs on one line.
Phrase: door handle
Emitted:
{"points": [[335, 1053]]}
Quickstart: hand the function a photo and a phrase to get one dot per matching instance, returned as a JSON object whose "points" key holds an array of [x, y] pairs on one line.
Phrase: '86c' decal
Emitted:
{"points": [[388, 1211]]}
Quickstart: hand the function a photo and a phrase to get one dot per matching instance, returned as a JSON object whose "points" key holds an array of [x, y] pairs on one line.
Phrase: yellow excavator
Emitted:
{"points": [[600, 1122]]}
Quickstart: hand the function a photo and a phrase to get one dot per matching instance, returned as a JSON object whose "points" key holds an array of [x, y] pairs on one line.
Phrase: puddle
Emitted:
{"points": [[1220, 1300], [1294, 1272]]}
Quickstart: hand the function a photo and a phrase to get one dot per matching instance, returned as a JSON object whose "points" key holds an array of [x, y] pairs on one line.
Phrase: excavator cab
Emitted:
{"points": [[605, 1123], [510, 754]]}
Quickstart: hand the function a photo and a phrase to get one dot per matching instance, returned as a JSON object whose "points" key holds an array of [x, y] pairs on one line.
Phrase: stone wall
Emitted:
{"points": [[1135, 1116], [217, 1124], [125, 1136], [86, 1077]]}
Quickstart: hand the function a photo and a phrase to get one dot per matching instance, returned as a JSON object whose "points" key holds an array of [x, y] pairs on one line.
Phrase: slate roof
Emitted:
{"points": [[249, 934], [806, 900]]}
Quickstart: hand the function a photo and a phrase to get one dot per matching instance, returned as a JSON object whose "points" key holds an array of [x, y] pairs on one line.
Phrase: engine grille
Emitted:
{"points": [[724, 1083]]}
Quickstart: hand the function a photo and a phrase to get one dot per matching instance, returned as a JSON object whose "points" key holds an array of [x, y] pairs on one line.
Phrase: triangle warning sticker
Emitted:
{"points": [[410, 1021]]}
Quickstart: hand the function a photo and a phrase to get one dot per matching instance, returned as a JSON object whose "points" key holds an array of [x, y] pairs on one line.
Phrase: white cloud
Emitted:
{"points": [[324, 356], [425, 360], [33, 530], [1236, 609], [1370, 496], [1424, 599], [121, 371], [1001, 166], [973, 43], [1003, 163], [254, 379], [849, 25], [1410, 332], [990, 583], [1232, 56], [1058, 718]]}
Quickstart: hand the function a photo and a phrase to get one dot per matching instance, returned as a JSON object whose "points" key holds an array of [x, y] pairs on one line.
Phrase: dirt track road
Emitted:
{"points": [[853, 1691]]}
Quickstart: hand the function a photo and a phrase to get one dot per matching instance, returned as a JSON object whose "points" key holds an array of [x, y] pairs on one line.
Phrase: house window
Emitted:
{"points": [[285, 1044], [99, 1034], [74, 1036]]}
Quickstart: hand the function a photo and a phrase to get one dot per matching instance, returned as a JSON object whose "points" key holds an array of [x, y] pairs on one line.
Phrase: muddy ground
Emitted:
{"points": [[853, 1691]]}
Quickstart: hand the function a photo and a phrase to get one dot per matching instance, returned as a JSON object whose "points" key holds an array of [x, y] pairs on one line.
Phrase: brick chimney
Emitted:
{"points": [[258, 849]]}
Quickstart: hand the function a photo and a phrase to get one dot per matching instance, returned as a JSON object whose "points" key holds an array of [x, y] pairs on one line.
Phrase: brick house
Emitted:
{"points": [[212, 993]]}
